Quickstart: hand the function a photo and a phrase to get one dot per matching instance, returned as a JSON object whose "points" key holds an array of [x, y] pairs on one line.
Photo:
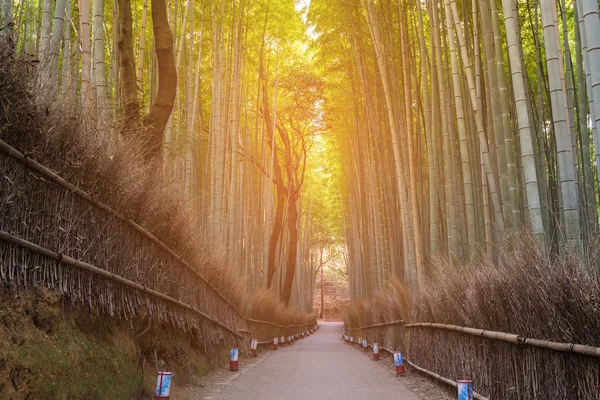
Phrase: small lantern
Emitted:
{"points": [[376, 351], [465, 389], [399, 362], [253, 347], [233, 359], [163, 385]]}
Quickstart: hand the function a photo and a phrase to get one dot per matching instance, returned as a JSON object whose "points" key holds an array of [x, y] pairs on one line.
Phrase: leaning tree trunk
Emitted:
{"points": [[162, 107], [290, 270], [281, 192]]}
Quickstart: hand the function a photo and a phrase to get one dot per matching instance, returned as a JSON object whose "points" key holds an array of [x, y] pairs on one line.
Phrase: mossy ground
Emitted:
{"points": [[49, 350]]}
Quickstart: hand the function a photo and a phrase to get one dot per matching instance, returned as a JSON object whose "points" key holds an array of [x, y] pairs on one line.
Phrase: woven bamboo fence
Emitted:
{"points": [[502, 365], [266, 331], [53, 234], [386, 334]]}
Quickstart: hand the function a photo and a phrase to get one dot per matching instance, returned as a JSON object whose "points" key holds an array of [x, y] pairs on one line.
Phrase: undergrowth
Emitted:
{"points": [[49, 350], [111, 168], [524, 292]]}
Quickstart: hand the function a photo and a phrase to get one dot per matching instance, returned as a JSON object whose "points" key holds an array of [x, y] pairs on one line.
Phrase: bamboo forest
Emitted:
{"points": [[185, 182]]}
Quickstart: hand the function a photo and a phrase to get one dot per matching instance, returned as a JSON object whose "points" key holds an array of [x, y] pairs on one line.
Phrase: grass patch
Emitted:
{"points": [[79, 356]]}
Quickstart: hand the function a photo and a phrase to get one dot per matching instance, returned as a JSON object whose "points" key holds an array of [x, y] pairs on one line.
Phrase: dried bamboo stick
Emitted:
{"points": [[443, 379], [256, 321], [512, 338], [397, 322]]}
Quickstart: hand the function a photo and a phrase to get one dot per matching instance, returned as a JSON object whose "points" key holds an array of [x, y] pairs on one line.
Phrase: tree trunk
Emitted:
{"points": [[129, 98], [162, 107], [281, 193], [292, 226]]}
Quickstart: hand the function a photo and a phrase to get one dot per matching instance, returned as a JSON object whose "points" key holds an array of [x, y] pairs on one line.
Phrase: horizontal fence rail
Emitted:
{"points": [[426, 371], [256, 321], [398, 322], [443, 379], [512, 338], [489, 380], [66, 260]]}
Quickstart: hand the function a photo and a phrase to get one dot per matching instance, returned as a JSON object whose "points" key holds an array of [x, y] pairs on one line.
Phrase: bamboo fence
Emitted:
{"points": [[54, 234], [384, 333], [504, 365]]}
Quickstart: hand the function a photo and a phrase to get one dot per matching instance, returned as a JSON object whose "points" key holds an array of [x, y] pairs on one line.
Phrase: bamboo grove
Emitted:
{"points": [[391, 132], [224, 97], [463, 125]]}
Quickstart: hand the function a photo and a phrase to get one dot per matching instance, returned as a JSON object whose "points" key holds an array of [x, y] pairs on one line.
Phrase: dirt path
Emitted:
{"points": [[319, 367]]}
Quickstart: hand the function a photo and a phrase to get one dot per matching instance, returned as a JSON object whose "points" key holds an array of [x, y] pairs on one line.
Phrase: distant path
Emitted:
{"points": [[319, 367]]}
